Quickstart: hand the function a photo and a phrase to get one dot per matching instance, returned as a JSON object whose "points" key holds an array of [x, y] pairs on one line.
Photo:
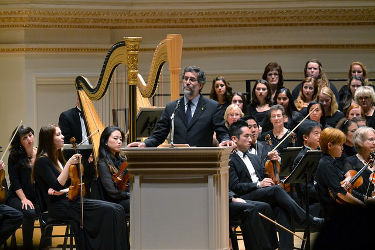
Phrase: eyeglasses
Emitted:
{"points": [[363, 97], [372, 140], [276, 116], [191, 79]]}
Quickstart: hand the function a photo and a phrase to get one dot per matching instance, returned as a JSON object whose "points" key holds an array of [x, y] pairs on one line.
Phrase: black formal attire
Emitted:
{"points": [[275, 141], [370, 120], [110, 191], [313, 199], [346, 152], [104, 224], [334, 119], [241, 183], [260, 149], [259, 116], [70, 125], [199, 132], [353, 163], [20, 178], [10, 220], [328, 177], [297, 89], [256, 232]]}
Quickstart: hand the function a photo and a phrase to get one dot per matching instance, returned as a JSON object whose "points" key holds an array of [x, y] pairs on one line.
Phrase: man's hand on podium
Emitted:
{"points": [[227, 144], [136, 144]]}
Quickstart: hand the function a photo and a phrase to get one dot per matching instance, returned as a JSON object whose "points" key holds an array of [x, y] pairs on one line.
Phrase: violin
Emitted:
{"points": [[77, 187], [273, 169], [121, 177], [75, 174], [3, 190]]}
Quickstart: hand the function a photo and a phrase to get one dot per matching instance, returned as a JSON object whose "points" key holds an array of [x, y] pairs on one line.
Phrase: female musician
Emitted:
{"points": [[273, 74], [329, 174], [21, 193], [364, 141], [221, 92], [104, 225], [285, 99], [308, 92], [277, 134], [355, 111], [356, 69], [365, 97], [328, 99], [260, 100], [232, 114], [239, 99], [313, 68], [318, 114], [348, 127], [109, 163], [353, 84]]}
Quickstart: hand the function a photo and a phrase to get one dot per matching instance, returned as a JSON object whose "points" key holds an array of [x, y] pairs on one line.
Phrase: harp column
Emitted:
{"points": [[132, 47]]}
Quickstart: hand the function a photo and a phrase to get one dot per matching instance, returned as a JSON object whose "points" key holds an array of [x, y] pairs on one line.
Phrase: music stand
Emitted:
{"points": [[302, 174], [287, 159], [146, 121]]}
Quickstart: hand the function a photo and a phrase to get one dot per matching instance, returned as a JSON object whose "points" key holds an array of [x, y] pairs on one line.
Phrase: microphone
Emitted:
{"points": [[172, 121]]}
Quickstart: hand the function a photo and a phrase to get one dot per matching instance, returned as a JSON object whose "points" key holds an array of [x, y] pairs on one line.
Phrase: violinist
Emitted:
{"points": [[364, 142], [248, 180], [277, 134], [10, 220], [109, 163], [21, 193], [260, 148], [51, 175], [329, 174], [310, 131]]}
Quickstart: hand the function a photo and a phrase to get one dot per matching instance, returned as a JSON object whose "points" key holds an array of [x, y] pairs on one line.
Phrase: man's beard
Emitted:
{"points": [[188, 92]]}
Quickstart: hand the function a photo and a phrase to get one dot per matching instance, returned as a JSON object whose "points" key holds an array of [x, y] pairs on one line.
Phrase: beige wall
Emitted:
{"points": [[45, 46]]}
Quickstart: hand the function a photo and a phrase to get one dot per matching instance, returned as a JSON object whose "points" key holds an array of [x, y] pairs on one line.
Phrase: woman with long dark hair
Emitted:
{"points": [[260, 100], [109, 163], [21, 193], [273, 74], [104, 223]]}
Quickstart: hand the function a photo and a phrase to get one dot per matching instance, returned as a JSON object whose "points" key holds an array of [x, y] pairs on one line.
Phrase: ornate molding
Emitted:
{"points": [[140, 19], [56, 50]]}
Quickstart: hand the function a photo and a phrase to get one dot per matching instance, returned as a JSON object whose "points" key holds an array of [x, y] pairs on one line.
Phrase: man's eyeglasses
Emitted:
{"points": [[191, 79]]}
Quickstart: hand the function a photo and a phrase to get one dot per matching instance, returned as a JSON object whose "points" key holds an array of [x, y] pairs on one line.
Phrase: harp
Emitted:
{"points": [[126, 52]]}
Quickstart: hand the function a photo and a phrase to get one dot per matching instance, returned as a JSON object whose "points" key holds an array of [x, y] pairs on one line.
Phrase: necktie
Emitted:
{"points": [[188, 112]]}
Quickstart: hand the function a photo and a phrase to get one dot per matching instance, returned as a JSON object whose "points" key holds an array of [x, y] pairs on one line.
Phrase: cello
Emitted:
{"points": [[77, 187]]}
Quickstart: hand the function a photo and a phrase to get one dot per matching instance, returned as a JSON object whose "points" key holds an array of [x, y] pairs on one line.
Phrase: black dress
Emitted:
{"points": [[104, 225], [370, 120], [259, 116], [354, 163], [110, 191], [334, 119]]}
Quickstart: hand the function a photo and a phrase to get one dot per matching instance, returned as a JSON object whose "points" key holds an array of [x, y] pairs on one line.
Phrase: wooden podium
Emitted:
{"points": [[179, 198]]}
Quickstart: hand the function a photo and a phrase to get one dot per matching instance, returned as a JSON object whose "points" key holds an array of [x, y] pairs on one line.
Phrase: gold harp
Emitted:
{"points": [[126, 52]]}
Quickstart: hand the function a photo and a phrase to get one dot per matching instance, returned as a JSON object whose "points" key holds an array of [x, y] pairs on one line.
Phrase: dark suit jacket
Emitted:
{"points": [[70, 125], [240, 180], [199, 133], [262, 151]]}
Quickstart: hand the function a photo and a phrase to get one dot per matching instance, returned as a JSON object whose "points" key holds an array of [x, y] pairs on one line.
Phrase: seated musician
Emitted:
{"points": [[364, 142], [310, 131], [52, 175], [248, 180], [278, 132], [109, 164], [260, 148], [21, 192], [329, 175], [10, 218], [196, 117], [256, 233]]}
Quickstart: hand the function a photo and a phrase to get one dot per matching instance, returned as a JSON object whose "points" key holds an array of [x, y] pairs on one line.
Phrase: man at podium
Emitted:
{"points": [[195, 117]]}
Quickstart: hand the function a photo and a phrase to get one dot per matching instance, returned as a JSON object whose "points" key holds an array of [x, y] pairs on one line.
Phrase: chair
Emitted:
{"points": [[48, 223]]}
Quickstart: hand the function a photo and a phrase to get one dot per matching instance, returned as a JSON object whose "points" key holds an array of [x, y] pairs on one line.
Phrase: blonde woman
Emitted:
{"points": [[328, 99], [365, 97]]}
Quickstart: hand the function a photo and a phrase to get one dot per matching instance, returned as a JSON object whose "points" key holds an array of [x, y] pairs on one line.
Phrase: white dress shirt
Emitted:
{"points": [[249, 166]]}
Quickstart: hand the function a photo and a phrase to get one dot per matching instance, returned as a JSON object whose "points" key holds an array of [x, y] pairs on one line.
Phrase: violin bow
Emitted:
{"points": [[281, 226], [293, 130], [5, 151]]}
